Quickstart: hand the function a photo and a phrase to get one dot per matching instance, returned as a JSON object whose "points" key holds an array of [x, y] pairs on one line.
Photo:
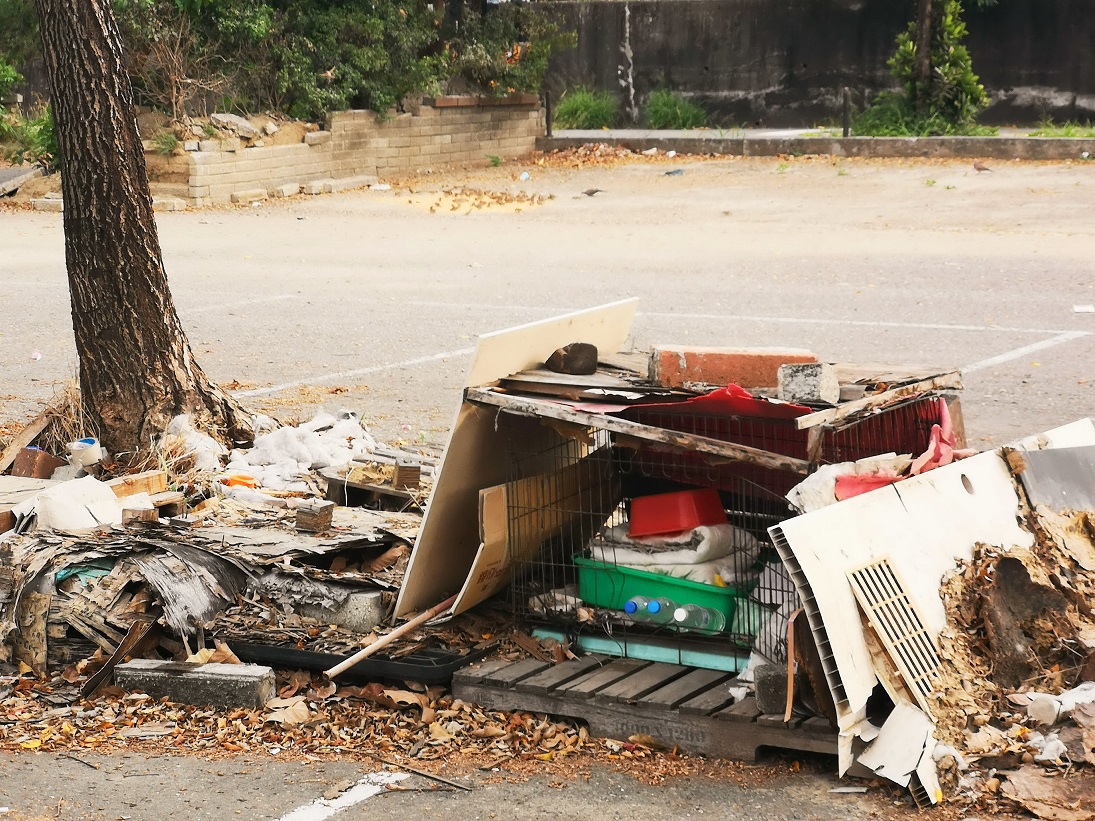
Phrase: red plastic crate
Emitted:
{"points": [[668, 513]]}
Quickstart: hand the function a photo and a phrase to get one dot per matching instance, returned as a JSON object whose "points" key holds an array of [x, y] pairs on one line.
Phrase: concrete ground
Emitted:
{"points": [[372, 300]]}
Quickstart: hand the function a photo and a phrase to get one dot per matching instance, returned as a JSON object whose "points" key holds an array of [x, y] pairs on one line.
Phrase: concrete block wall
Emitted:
{"points": [[456, 130], [464, 130]]}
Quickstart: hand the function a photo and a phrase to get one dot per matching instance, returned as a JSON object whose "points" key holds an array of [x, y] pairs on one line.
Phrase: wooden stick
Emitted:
{"points": [[417, 771], [834, 416], [384, 641], [686, 441]]}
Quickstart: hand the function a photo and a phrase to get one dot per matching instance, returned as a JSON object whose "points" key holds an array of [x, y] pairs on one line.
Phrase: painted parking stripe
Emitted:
{"points": [[322, 808], [1026, 350], [328, 377]]}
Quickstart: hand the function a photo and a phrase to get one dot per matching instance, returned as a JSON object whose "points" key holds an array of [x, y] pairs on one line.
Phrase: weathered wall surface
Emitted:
{"points": [[359, 145], [784, 62]]}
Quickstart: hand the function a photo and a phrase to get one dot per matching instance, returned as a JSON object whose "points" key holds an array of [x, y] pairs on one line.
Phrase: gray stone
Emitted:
{"points": [[250, 195], [317, 186], [192, 145], [360, 612], [168, 204], [12, 178], [290, 189], [48, 204], [814, 383], [270, 128], [347, 183], [317, 137], [218, 685], [770, 681], [209, 145], [235, 124], [231, 144]]}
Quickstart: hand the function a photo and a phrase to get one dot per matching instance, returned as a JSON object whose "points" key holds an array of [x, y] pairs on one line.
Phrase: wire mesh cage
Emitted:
{"points": [[580, 561]]}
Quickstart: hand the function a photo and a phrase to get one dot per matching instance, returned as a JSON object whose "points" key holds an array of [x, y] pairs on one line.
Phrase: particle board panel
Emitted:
{"points": [[642, 682], [686, 687], [558, 674], [592, 682]]}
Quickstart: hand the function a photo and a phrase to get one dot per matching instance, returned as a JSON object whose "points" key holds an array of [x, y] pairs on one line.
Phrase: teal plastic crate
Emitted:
{"points": [[610, 585]]}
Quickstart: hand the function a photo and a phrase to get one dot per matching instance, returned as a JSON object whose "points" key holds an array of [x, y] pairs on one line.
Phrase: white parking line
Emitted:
{"points": [[789, 320], [327, 377], [322, 808], [243, 303], [1009, 356]]}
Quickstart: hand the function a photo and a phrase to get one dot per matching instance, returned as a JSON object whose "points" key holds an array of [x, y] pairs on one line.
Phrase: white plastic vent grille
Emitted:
{"points": [[890, 611]]}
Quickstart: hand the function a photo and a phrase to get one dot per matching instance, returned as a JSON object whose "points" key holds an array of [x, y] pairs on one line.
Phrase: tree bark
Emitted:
{"points": [[137, 369], [923, 54]]}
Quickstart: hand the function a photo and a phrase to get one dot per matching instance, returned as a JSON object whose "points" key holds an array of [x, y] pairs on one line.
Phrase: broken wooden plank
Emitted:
{"points": [[849, 410], [148, 481], [24, 438], [586, 686], [134, 637], [524, 406], [477, 673], [509, 676], [745, 711], [711, 701], [641, 683], [549, 679], [688, 686], [315, 516]]}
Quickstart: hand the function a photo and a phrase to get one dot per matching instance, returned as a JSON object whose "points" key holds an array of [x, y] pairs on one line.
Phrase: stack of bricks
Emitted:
{"points": [[360, 145]]}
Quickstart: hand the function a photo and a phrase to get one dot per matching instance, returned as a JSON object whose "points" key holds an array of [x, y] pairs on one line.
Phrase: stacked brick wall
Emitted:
{"points": [[360, 145]]}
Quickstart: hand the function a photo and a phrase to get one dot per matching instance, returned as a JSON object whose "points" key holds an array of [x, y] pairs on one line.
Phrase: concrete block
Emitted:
{"points": [[317, 137], [810, 383], [317, 186], [361, 612], [191, 145], [290, 189], [346, 183], [48, 204], [771, 688], [168, 204], [249, 195], [232, 144], [209, 145], [219, 685], [748, 367]]}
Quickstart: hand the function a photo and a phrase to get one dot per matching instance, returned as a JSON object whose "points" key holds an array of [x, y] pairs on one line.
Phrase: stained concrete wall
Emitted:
{"points": [[360, 144], [784, 62]]}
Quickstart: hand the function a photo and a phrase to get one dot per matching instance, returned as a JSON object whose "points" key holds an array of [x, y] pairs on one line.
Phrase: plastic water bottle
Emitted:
{"points": [[699, 618], [646, 609], [660, 610], [635, 607]]}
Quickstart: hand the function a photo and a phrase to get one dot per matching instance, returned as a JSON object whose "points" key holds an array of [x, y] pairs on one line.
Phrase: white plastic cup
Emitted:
{"points": [[84, 453]]}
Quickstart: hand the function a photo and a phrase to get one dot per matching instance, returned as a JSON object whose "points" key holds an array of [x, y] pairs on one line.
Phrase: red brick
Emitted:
{"points": [[748, 367]]}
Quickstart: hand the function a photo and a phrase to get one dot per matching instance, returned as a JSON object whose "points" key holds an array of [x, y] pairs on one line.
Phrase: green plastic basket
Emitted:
{"points": [[610, 585]]}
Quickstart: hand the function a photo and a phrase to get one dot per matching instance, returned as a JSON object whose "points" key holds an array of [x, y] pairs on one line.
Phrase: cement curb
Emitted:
{"points": [[993, 148]]}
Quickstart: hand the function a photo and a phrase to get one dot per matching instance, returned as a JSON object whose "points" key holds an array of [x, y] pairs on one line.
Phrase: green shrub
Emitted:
{"points": [[165, 143], [33, 139], [583, 108], [665, 109], [948, 104]]}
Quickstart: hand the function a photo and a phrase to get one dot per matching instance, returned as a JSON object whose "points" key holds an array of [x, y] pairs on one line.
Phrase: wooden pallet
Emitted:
{"points": [[685, 707]]}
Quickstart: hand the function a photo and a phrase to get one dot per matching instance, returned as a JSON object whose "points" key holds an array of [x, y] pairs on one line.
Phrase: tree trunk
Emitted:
{"points": [[136, 366], [923, 55]]}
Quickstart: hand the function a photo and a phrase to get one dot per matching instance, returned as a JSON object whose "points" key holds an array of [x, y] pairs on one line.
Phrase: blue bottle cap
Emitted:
{"points": [[630, 607], [654, 606]]}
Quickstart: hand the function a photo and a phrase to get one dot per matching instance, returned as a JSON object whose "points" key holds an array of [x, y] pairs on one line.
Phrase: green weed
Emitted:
{"points": [[665, 109], [1066, 130], [586, 109], [165, 143]]}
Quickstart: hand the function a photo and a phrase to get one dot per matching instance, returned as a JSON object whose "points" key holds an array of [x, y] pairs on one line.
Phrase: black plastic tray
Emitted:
{"points": [[428, 666]]}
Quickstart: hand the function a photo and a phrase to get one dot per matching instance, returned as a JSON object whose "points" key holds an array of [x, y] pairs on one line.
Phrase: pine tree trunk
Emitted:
{"points": [[136, 366], [923, 55]]}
